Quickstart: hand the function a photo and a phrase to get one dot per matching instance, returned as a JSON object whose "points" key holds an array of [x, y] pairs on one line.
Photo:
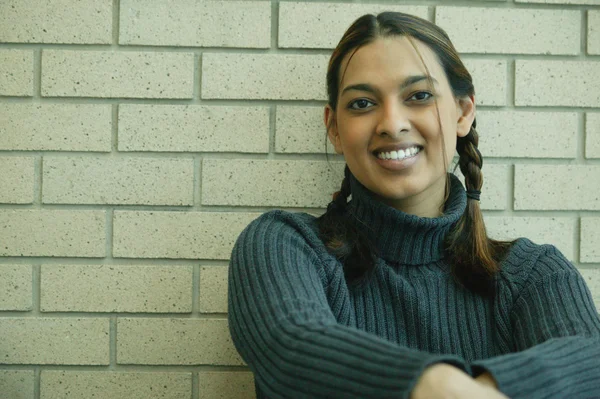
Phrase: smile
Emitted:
{"points": [[400, 154]]}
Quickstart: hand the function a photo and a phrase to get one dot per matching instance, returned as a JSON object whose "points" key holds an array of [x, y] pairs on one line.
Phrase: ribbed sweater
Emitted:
{"points": [[306, 333]]}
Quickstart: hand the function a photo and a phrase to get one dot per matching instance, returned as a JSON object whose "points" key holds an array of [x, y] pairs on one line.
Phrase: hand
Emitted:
{"points": [[443, 381], [487, 379]]}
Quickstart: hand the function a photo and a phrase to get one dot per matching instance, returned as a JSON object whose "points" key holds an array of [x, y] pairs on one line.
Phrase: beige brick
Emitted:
{"points": [[226, 385], [213, 289], [114, 385], [196, 23], [270, 183], [322, 25], [116, 288], [526, 134], [16, 384], [592, 2], [558, 231], [177, 235], [55, 127], [191, 128], [592, 135], [52, 233], [16, 180], [55, 341], [593, 39], [511, 31], [592, 280], [494, 194], [128, 74], [590, 240], [264, 76], [300, 130], [489, 79], [109, 180], [557, 83], [175, 341], [15, 287], [560, 187], [16, 71], [56, 21]]}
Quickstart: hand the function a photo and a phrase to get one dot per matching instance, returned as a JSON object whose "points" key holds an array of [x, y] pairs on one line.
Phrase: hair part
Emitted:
{"points": [[474, 257]]}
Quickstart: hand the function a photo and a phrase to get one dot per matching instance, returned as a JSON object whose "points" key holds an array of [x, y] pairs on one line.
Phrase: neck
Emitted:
{"points": [[402, 237], [428, 203]]}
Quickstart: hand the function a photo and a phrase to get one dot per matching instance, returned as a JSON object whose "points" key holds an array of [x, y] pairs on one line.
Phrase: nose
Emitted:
{"points": [[393, 120]]}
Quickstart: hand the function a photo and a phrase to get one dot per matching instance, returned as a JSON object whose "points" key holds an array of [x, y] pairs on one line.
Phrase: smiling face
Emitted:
{"points": [[386, 124]]}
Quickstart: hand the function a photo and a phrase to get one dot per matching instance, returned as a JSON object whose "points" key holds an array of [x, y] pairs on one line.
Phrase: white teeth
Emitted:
{"points": [[400, 154]]}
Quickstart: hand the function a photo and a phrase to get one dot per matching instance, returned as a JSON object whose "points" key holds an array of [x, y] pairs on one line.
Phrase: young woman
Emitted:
{"points": [[396, 291]]}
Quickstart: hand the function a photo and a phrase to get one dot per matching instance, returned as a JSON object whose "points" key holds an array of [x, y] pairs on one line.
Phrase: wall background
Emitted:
{"points": [[138, 138]]}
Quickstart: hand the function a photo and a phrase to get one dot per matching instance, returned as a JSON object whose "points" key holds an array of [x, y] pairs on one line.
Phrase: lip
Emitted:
{"points": [[397, 164]]}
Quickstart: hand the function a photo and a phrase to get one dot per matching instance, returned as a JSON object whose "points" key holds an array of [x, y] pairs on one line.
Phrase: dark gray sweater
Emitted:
{"points": [[305, 333]]}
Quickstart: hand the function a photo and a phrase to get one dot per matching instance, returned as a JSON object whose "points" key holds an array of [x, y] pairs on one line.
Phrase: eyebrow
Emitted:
{"points": [[411, 80]]}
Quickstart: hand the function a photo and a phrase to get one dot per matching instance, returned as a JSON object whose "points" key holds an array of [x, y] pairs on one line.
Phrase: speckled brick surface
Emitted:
{"points": [[175, 341], [16, 78], [183, 128]]}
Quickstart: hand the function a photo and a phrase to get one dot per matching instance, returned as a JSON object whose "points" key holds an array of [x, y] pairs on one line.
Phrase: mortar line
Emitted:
{"points": [[114, 145], [196, 276], [115, 23], [37, 182], [37, 372], [198, 167], [580, 138], [577, 241], [195, 384], [511, 84], [36, 308], [108, 247], [274, 26], [272, 131], [197, 80], [37, 73], [583, 37], [113, 343]]}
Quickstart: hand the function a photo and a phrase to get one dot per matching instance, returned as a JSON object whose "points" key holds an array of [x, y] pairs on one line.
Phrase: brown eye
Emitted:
{"points": [[359, 104], [422, 96]]}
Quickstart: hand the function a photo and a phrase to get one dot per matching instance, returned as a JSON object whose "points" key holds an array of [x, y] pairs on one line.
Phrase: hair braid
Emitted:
{"points": [[470, 161], [474, 257], [343, 238]]}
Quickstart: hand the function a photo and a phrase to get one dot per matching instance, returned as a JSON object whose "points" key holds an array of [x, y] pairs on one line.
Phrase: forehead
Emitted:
{"points": [[390, 58]]}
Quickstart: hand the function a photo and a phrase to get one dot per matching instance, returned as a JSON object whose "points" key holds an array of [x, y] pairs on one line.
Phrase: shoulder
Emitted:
{"points": [[278, 227], [527, 263]]}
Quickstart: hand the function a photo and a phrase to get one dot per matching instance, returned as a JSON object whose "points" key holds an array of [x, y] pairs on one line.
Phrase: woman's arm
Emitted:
{"points": [[281, 324], [556, 330]]}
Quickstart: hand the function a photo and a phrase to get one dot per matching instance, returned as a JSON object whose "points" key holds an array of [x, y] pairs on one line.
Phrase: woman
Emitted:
{"points": [[396, 291]]}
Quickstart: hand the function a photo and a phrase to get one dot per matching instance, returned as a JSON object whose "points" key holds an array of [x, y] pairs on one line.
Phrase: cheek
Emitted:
{"points": [[354, 134]]}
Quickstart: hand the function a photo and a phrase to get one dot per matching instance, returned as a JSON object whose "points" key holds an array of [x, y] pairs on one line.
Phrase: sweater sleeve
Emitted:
{"points": [[283, 328], [556, 333]]}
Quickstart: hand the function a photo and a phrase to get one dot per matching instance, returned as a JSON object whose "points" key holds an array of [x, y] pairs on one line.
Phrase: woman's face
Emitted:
{"points": [[386, 124]]}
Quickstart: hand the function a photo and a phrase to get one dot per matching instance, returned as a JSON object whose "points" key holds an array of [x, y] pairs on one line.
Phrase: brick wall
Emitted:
{"points": [[139, 137]]}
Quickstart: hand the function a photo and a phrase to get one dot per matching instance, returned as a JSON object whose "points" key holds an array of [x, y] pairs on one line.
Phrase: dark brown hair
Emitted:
{"points": [[473, 256]]}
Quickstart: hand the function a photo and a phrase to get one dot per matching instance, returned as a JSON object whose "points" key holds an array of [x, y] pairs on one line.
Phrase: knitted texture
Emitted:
{"points": [[306, 333]]}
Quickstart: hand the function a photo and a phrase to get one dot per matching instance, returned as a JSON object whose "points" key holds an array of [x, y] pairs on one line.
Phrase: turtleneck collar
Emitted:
{"points": [[400, 237]]}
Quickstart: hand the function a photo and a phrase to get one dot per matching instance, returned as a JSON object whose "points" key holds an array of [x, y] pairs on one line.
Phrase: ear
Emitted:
{"points": [[465, 107], [332, 131]]}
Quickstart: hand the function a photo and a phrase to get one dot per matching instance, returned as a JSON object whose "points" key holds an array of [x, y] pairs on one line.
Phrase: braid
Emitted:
{"points": [[340, 198], [341, 236], [470, 161], [474, 257]]}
